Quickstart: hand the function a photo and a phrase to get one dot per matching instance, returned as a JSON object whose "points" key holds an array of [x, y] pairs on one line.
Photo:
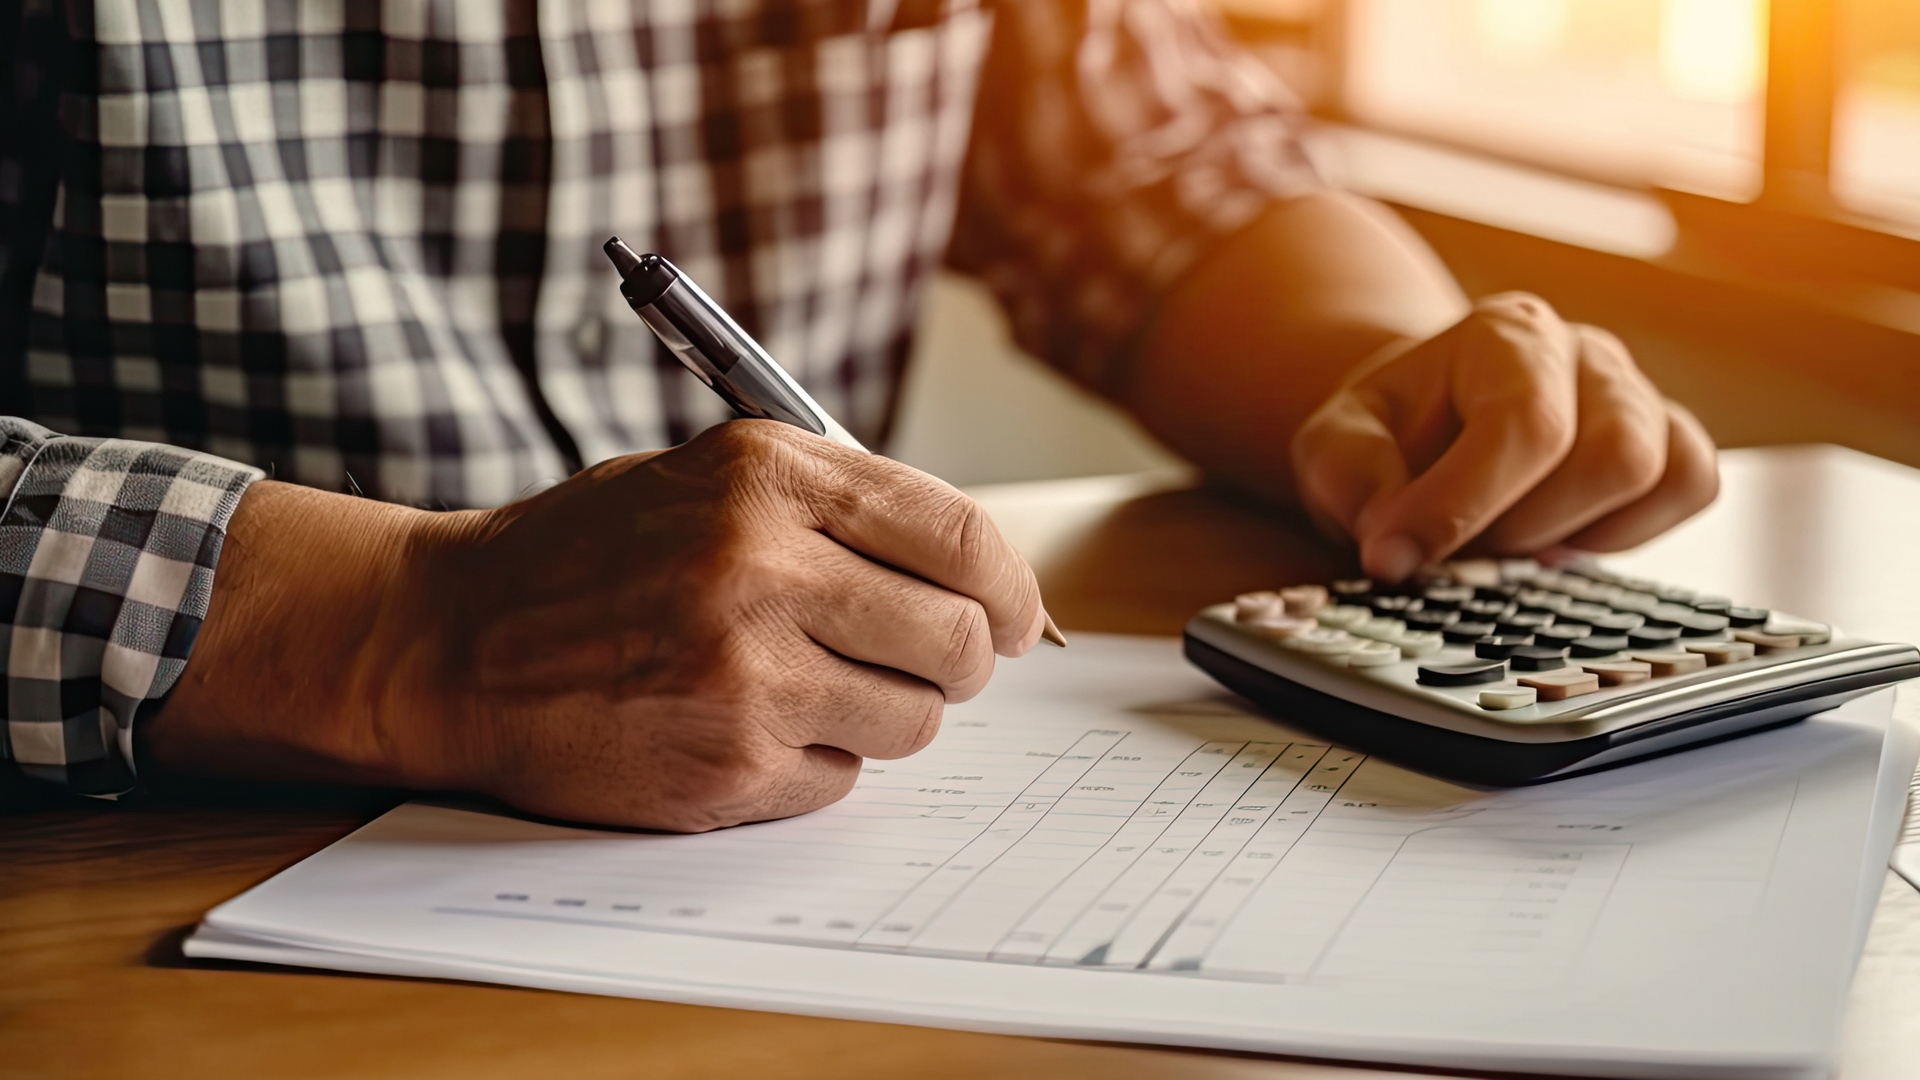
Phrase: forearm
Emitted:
{"points": [[305, 667], [1262, 331]]}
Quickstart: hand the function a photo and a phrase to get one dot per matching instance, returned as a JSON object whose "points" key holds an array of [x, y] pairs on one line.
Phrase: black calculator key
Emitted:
{"points": [[1702, 625], [1743, 617], [1653, 637], [1352, 590], [1500, 646], [1521, 622], [1485, 671], [1538, 658], [1487, 608], [1599, 645], [1429, 620], [1393, 605], [1561, 633], [1663, 620], [1505, 591], [1446, 597], [1462, 633], [1617, 623]]}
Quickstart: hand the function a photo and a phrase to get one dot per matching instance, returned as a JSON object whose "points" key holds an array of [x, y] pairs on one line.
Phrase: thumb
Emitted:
{"points": [[1346, 460]]}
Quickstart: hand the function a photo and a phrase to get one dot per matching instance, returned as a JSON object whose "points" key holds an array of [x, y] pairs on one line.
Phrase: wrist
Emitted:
{"points": [[315, 657]]}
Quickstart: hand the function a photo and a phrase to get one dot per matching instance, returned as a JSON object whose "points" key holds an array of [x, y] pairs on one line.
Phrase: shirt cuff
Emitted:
{"points": [[107, 555]]}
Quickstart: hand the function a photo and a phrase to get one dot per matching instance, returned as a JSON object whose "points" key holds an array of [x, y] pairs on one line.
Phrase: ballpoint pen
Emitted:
{"points": [[711, 345]]}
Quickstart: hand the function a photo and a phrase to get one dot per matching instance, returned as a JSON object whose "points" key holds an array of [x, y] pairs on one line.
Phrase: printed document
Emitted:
{"points": [[1106, 845]]}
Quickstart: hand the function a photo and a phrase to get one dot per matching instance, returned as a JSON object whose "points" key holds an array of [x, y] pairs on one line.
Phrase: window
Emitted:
{"points": [[1876, 123], [1641, 92]]}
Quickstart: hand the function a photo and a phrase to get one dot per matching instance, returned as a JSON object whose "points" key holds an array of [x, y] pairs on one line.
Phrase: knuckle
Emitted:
{"points": [[969, 653], [969, 531], [1629, 454]]}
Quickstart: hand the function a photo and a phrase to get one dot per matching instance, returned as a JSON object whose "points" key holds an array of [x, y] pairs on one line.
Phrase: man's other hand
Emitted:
{"points": [[705, 636], [1512, 432]]}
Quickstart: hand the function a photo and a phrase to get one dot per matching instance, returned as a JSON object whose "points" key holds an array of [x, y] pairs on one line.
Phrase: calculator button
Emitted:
{"points": [[1508, 697], [1500, 646], [1618, 622], [1417, 643], [1431, 620], [1447, 597], [1672, 663], [1722, 652], [1465, 633], [1598, 645], [1341, 616], [1747, 616], [1809, 632], [1712, 605], [1391, 605], [1538, 658], [1652, 637], [1485, 671], [1700, 625], [1502, 592], [1351, 590], [1380, 628], [1618, 672], [1491, 609], [1522, 623], [1253, 605], [1561, 685], [1766, 643], [1561, 633], [1641, 602], [1374, 654], [1279, 627], [1304, 599], [1325, 641], [1671, 594]]}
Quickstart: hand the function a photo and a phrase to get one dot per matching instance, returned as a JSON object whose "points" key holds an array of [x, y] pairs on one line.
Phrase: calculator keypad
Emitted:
{"points": [[1514, 634]]}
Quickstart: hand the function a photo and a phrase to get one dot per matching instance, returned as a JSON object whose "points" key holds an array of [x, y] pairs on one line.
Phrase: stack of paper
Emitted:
{"points": [[1103, 845]]}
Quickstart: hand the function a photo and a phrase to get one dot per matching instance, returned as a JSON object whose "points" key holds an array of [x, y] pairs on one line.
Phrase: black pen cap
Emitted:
{"points": [[642, 277]]}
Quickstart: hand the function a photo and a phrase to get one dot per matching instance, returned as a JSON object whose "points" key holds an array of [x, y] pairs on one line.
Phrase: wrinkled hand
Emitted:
{"points": [[709, 635], [1513, 432]]}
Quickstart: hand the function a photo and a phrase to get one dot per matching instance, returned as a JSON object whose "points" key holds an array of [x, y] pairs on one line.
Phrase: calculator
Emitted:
{"points": [[1507, 672]]}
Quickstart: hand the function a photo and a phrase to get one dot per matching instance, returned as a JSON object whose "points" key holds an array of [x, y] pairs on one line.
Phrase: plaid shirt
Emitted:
{"points": [[356, 242]]}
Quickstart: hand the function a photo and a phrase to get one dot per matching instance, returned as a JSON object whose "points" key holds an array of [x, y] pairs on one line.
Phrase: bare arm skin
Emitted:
{"points": [[709, 635], [1325, 356]]}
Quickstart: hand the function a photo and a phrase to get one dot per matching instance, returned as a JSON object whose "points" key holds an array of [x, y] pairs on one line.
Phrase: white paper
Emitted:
{"points": [[1104, 845]]}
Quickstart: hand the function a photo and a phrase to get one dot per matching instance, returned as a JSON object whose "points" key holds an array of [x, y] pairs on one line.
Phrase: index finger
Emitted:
{"points": [[897, 515], [1512, 377]]}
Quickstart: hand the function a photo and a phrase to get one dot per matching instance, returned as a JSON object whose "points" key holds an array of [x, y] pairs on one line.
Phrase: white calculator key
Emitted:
{"points": [[1373, 654], [1418, 643], [1380, 628], [1342, 616], [1325, 641], [1508, 697], [1250, 606], [1279, 627]]}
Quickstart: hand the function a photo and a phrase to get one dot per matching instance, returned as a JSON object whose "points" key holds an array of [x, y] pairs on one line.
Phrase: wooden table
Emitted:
{"points": [[95, 899]]}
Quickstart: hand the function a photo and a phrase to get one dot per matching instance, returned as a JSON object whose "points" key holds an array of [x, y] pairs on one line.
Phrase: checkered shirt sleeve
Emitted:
{"points": [[1115, 143], [107, 556]]}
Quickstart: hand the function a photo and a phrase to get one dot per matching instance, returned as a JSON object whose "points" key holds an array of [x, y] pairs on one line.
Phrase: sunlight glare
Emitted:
{"points": [[1521, 31], [1713, 50]]}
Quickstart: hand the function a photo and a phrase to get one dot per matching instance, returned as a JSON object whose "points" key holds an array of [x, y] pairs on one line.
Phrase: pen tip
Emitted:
{"points": [[1051, 634], [624, 260]]}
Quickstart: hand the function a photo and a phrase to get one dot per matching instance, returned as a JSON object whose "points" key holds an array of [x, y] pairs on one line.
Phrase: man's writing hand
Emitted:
{"points": [[1512, 432], [709, 635]]}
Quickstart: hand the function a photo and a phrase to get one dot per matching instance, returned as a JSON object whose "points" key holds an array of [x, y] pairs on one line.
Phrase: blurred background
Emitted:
{"points": [[1732, 186]]}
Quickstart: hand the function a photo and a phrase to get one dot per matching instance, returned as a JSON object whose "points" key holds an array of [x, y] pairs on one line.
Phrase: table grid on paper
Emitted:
{"points": [[1173, 848]]}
